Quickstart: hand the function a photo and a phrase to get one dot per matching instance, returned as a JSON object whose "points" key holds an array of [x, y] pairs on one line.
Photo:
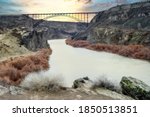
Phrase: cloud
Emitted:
{"points": [[99, 5], [44, 6], [52, 5], [85, 1], [9, 7]]}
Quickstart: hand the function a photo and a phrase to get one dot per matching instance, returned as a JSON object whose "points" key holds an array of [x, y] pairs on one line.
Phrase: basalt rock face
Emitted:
{"points": [[15, 21], [35, 40], [115, 35], [61, 30], [125, 24], [135, 16], [20, 27]]}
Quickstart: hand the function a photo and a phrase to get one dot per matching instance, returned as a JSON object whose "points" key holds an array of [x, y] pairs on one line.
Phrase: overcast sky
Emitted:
{"points": [[44, 6]]}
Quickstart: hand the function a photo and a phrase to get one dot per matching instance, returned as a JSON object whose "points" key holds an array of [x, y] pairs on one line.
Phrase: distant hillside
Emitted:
{"points": [[124, 24], [56, 29], [135, 15]]}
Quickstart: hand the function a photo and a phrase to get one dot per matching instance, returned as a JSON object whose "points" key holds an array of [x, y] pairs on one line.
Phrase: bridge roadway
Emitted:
{"points": [[79, 16], [82, 17]]}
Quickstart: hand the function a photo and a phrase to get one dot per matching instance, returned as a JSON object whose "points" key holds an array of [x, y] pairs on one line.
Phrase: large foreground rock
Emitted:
{"points": [[135, 88]]}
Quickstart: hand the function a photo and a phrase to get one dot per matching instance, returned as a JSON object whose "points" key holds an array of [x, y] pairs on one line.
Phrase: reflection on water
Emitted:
{"points": [[68, 63]]}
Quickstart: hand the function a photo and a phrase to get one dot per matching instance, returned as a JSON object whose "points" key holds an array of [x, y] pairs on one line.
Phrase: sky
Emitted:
{"points": [[47, 6]]}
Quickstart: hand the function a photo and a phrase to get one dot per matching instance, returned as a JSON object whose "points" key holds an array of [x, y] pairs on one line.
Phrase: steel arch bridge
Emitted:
{"points": [[82, 17]]}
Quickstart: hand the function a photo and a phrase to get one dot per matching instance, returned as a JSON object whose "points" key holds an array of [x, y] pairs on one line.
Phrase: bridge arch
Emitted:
{"points": [[53, 16], [81, 17]]}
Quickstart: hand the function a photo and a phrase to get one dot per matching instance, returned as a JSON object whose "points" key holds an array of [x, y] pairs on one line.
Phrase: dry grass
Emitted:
{"points": [[79, 43], [134, 51], [107, 85], [14, 70]]}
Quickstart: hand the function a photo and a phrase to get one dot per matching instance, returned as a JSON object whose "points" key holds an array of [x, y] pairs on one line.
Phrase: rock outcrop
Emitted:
{"points": [[35, 38], [61, 30], [100, 88], [83, 83], [15, 21], [3, 90], [116, 35], [13, 90], [124, 24], [10, 45], [135, 88]]}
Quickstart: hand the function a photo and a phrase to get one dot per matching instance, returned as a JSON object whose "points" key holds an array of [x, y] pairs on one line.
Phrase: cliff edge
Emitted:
{"points": [[123, 24]]}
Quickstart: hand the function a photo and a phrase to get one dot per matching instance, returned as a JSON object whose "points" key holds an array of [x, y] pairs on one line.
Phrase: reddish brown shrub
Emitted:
{"points": [[125, 51], [114, 48], [12, 71], [134, 51], [142, 54], [19, 63], [36, 60], [79, 43]]}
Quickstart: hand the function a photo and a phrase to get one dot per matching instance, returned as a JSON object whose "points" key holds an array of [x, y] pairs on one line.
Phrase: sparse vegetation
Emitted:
{"points": [[105, 83]]}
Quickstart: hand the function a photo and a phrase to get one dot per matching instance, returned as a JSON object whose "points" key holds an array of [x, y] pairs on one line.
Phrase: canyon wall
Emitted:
{"points": [[123, 24]]}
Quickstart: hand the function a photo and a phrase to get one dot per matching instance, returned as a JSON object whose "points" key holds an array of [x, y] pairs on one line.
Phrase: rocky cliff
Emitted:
{"points": [[15, 21], [124, 24], [35, 38], [10, 45]]}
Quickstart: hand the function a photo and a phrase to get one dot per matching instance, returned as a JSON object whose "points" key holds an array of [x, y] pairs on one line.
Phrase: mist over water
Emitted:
{"points": [[68, 64]]}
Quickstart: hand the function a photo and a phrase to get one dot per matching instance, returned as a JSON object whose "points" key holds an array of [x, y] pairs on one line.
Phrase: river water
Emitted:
{"points": [[68, 64]]}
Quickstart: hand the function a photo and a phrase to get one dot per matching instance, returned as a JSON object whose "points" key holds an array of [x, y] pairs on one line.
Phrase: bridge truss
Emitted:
{"points": [[83, 17]]}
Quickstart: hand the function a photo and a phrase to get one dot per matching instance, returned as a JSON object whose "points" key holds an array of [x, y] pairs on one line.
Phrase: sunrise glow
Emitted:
{"points": [[57, 6], [47, 6]]}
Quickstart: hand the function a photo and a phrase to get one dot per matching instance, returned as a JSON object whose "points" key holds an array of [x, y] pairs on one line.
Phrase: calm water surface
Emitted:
{"points": [[72, 63], [68, 64]]}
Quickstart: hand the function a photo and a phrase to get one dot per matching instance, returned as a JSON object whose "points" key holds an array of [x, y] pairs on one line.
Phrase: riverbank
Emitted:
{"points": [[133, 51], [67, 94], [54, 91], [57, 82]]}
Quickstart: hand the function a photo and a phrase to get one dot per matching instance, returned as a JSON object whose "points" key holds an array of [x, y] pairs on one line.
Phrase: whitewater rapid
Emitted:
{"points": [[68, 64]]}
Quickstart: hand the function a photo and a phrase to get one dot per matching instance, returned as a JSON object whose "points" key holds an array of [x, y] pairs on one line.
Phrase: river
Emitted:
{"points": [[68, 64]]}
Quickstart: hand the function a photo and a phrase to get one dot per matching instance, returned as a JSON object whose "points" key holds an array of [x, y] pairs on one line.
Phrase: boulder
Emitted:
{"points": [[3, 90], [83, 83], [16, 90], [135, 88]]}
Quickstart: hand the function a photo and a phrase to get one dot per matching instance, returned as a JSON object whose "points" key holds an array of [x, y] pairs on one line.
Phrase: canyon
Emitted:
{"points": [[37, 63]]}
